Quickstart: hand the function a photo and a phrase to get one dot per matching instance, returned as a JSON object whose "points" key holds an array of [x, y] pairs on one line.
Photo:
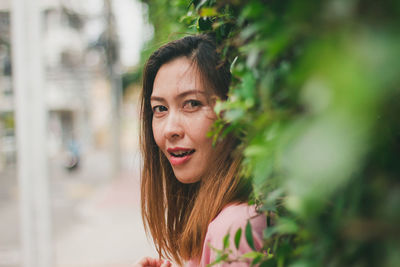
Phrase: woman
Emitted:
{"points": [[192, 194]]}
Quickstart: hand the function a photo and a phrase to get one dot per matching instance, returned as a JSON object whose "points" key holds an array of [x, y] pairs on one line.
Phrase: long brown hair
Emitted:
{"points": [[176, 214]]}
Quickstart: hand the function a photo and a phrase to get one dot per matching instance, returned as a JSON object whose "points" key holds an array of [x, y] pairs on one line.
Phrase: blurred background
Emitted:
{"points": [[316, 87], [87, 195]]}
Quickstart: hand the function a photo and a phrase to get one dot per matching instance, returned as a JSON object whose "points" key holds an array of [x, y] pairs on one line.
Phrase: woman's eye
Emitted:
{"points": [[159, 109], [191, 105]]}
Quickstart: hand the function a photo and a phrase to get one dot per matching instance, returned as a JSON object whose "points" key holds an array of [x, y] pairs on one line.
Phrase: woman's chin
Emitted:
{"points": [[187, 179]]}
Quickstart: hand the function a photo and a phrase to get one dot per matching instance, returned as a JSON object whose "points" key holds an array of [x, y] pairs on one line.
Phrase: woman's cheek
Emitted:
{"points": [[157, 134]]}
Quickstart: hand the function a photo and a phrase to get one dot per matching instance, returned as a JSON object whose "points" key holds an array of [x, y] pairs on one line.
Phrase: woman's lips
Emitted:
{"points": [[175, 161], [174, 157]]}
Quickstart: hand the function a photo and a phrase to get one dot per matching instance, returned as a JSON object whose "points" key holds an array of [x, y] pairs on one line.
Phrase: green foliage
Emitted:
{"points": [[315, 99], [169, 23], [253, 258], [166, 18]]}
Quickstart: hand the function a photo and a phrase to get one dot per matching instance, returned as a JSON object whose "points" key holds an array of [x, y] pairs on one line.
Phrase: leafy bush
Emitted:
{"points": [[315, 99]]}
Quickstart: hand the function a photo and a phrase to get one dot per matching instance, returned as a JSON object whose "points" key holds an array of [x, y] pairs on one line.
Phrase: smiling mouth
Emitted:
{"points": [[181, 154]]}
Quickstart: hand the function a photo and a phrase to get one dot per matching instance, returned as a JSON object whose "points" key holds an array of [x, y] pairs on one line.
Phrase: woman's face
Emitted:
{"points": [[182, 116]]}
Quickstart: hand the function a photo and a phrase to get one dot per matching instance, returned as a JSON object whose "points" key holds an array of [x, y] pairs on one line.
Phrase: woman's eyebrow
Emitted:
{"points": [[179, 96], [157, 98], [190, 92]]}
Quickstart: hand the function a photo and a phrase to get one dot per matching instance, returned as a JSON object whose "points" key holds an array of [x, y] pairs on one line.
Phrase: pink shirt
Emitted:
{"points": [[231, 218]]}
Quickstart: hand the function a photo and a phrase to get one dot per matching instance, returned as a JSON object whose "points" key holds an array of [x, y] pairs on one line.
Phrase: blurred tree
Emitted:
{"points": [[166, 18], [315, 101]]}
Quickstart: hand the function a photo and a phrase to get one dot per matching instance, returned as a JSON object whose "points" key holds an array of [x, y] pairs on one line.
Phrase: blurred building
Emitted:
{"points": [[7, 139], [77, 88], [77, 91]]}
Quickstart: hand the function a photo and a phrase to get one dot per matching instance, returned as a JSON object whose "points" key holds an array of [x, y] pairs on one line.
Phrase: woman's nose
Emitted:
{"points": [[173, 128]]}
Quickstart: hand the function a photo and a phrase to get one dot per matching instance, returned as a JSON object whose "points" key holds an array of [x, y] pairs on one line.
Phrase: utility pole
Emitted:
{"points": [[30, 111], [114, 74]]}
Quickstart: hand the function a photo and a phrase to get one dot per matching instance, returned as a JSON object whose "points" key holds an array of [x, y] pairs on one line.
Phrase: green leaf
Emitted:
{"points": [[257, 259], [252, 255], [249, 235], [220, 257], [286, 226], [238, 236], [199, 5], [226, 241], [208, 12]]}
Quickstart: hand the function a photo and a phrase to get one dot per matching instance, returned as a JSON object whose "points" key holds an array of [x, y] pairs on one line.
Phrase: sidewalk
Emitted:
{"points": [[109, 232], [108, 229], [96, 217]]}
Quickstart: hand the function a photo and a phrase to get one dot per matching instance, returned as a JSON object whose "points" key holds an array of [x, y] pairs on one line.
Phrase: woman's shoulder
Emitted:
{"points": [[235, 216], [228, 221]]}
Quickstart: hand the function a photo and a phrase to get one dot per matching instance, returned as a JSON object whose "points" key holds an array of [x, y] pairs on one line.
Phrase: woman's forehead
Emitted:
{"points": [[179, 77]]}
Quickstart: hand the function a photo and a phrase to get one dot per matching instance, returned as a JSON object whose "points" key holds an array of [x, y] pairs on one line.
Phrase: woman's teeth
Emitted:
{"points": [[182, 154]]}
